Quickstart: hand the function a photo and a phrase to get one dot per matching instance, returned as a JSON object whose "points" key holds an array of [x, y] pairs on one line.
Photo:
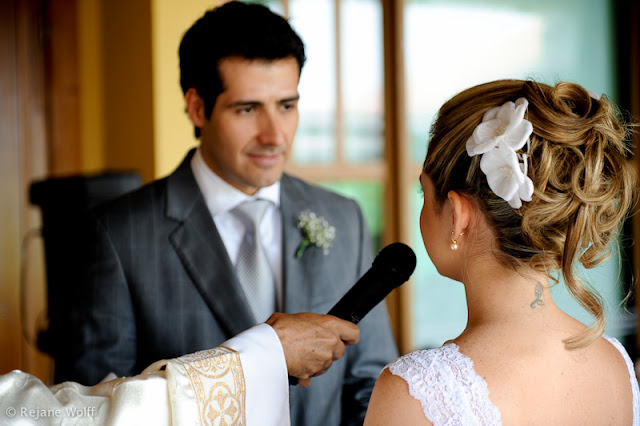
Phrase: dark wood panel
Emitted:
{"points": [[22, 159], [9, 188], [61, 54]]}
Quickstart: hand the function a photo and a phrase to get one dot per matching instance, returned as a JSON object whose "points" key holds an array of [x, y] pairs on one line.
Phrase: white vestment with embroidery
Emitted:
{"points": [[241, 382]]}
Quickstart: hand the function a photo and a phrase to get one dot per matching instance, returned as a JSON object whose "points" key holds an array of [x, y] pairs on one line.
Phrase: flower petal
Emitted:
{"points": [[518, 136], [515, 113], [501, 167], [484, 138], [491, 114], [503, 131], [505, 114], [526, 189], [515, 202], [502, 185], [522, 103], [487, 130], [498, 158], [471, 146]]}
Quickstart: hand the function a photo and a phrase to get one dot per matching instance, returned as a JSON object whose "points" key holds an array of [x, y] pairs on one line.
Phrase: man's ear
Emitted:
{"points": [[195, 107], [462, 212]]}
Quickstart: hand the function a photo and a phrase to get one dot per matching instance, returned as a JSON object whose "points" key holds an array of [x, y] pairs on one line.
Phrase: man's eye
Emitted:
{"points": [[245, 110]]}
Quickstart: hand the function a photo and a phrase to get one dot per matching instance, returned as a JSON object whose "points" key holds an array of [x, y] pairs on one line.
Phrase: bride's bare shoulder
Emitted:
{"points": [[391, 403]]}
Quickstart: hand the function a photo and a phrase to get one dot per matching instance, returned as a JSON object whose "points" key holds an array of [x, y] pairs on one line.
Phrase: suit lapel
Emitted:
{"points": [[297, 284], [202, 252]]}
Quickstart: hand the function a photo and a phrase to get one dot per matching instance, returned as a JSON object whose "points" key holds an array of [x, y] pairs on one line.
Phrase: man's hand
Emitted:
{"points": [[311, 342]]}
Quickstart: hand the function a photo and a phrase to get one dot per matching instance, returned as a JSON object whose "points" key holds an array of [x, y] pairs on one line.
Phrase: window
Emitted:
{"points": [[340, 139], [354, 141], [452, 45]]}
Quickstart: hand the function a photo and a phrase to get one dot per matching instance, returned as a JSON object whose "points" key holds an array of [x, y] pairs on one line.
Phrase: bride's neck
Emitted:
{"points": [[498, 294]]}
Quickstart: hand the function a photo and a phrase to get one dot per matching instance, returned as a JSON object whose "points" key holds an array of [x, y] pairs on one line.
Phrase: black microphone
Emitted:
{"points": [[392, 267]]}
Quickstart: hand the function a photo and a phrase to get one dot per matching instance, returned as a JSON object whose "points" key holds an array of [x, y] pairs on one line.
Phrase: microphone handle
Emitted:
{"points": [[370, 290]]}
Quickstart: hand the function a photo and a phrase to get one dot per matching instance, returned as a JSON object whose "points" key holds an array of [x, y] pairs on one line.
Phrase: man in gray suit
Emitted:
{"points": [[162, 278]]}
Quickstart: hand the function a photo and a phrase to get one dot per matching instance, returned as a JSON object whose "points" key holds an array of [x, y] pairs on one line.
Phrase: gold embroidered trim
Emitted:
{"points": [[218, 383]]}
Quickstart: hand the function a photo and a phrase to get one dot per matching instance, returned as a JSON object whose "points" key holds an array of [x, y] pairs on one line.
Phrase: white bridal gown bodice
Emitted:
{"points": [[452, 393]]}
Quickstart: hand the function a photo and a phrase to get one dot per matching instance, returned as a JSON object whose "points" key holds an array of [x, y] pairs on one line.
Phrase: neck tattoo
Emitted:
{"points": [[538, 292]]}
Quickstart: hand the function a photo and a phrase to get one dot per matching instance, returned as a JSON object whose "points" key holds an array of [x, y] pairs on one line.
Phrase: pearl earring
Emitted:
{"points": [[454, 243]]}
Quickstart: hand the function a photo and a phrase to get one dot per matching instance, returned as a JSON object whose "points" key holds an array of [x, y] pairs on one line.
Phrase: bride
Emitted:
{"points": [[521, 181]]}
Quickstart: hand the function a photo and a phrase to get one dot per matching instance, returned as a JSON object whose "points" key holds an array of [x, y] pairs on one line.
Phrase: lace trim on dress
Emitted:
{"points": [[452, 393], [448, 388]]}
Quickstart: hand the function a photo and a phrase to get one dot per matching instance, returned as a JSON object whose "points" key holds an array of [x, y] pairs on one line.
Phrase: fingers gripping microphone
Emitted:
{"points": [[393, 266]]}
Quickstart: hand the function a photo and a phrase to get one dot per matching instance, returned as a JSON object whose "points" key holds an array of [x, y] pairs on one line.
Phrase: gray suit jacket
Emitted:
{"points": [[159, 284]]}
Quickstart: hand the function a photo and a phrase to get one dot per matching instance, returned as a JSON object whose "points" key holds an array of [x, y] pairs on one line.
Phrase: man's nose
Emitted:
{"points": [[271, 129]]}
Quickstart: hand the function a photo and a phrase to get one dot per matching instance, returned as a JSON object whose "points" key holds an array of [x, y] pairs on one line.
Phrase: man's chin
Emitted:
{"points": [[265, 180], [269, 180]]}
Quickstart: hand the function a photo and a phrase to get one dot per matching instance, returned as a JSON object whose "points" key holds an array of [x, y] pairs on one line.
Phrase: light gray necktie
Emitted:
{"points": [[252, 267]]}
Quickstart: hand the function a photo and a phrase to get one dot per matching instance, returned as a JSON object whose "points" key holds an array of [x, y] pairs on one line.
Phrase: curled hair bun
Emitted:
{"points": [[580, 173], [578, 162], [583, 187]]}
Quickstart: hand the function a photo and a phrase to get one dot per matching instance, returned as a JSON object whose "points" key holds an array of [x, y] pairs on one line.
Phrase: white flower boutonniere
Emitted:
{"points": [[499, 139], [315, 230]]}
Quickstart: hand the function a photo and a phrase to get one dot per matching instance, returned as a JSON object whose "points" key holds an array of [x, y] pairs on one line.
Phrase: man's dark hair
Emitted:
{"points": [[235, 29]]}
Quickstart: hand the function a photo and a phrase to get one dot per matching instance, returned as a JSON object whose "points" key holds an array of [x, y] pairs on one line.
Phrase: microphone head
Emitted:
{"points": [[397, 257]]}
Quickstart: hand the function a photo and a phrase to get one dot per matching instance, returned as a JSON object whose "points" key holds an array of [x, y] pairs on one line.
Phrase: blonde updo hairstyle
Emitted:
{"points": [[583, 183]]}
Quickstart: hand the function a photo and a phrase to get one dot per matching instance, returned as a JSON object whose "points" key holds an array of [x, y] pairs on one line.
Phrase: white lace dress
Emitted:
{"points": [[452, 393]]}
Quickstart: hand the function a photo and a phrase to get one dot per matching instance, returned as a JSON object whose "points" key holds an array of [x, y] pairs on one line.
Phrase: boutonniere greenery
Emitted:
{"points": [[315, 231]]}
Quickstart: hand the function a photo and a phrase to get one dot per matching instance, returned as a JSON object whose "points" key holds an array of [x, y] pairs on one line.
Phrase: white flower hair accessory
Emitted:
{"points": [[315, 230], [499, 140]]}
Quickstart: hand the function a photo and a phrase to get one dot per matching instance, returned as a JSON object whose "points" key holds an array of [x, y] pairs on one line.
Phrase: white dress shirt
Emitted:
{"points": [[221, 198]]}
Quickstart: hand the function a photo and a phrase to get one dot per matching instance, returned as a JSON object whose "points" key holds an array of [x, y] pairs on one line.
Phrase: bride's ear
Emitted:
{"points": [[461, 211]]}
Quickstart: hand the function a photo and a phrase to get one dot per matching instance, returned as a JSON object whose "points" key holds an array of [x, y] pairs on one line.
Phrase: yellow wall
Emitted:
{"points": [[116, 95], [132, 107], [172, 128], [128, 94], [91, 75]]}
